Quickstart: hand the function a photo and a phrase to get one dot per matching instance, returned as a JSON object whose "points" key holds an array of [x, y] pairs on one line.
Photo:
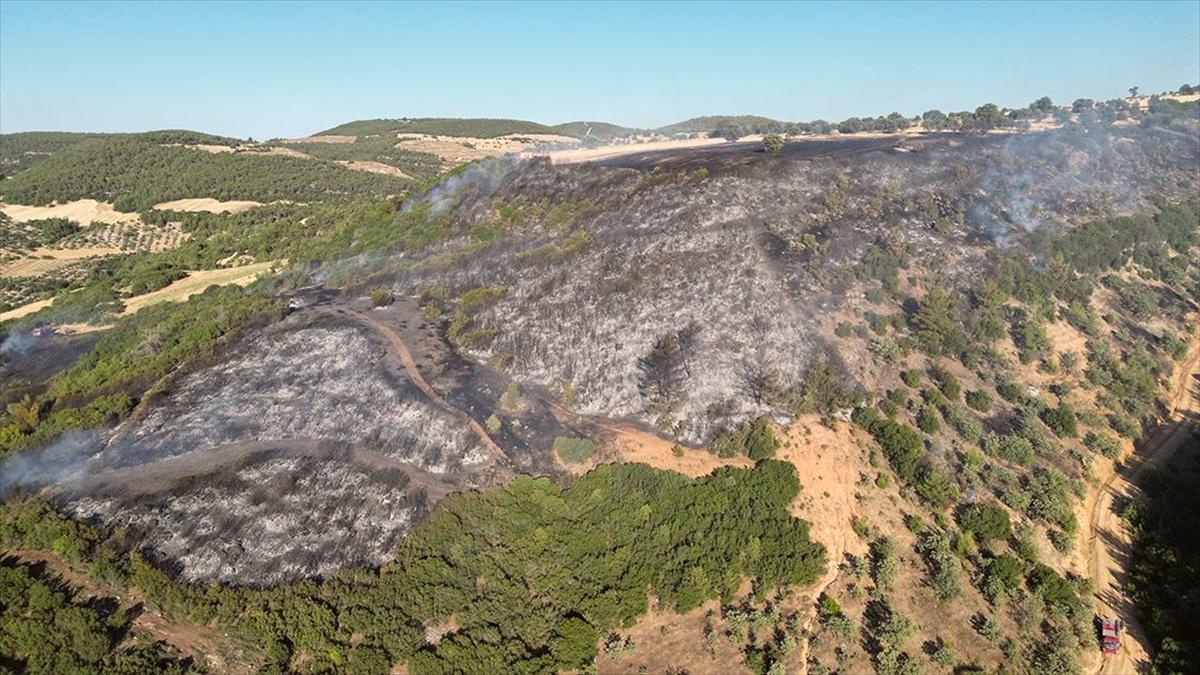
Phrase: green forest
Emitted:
{"points": [[137, 172], [45, 629], [438, 126], [531, 575], [22, 150], [1166, 560]]}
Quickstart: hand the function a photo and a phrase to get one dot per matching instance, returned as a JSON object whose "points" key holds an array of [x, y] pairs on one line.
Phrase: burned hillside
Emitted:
{"points": [[306, 449], [723, 263]]}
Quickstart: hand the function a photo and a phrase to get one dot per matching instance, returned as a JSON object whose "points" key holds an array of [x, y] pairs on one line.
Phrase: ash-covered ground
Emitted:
{"points": [[312, 376], [270, 520], [307, 449], [735, 256]]}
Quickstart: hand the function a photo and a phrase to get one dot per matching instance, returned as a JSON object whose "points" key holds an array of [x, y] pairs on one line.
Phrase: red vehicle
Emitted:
{"points": [[1110, 635]]}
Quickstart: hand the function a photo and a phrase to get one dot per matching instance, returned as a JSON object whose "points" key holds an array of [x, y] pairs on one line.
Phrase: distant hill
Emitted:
{"points": [[22, 150], [599, 130], [134, 172], [748, 124], [440, 126]]}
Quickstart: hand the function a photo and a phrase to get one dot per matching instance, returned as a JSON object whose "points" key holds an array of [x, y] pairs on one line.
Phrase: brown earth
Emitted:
{"points": [[320, 139], [83, 211], [375, 167], [207, 204]]}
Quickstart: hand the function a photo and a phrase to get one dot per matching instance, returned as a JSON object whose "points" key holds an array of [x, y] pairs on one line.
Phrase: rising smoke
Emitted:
{"points": [[61, 463]]}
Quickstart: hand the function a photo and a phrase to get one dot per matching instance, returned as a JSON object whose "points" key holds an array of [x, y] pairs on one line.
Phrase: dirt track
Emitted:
{"points": [[1108, 546], [410, 367]]}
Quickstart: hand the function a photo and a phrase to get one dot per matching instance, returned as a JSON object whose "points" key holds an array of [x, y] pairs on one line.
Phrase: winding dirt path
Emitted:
{"points": [[414, 374], [1108, 545]]}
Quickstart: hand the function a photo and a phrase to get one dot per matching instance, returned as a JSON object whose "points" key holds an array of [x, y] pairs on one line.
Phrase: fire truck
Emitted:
{"points": [[1110, 635]]}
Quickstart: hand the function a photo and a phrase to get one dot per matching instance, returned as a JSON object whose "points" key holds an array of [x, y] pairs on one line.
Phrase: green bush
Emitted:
{"points": [[574, 450], [1009, 447], [755, 439], [987, 522], [1103, 444], [947, 382], [1061, 420], [380, 297], [978, 399], [937, 488], [928, 419]]}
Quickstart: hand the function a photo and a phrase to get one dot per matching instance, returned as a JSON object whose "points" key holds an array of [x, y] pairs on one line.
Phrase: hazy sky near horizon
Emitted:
{"points": [[271, 69]]}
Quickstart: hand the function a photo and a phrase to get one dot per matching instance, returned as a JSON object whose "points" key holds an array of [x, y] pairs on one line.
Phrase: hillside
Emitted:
{"points": [[21, 150], [438, 126], [751, 124], [602, 131], [848, 406]]}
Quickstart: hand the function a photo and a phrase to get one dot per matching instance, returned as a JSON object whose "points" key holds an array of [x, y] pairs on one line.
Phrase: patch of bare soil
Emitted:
{"points": [[24, 310], [455, 150], [829, 463], [637, 445], [375, 167], [666, 642], [575, 155], [207, 204], [83, 211]]}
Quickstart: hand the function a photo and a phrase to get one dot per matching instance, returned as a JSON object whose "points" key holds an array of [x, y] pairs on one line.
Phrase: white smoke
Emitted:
{"points": [[17, 343], [63, 461], [480, 176]]}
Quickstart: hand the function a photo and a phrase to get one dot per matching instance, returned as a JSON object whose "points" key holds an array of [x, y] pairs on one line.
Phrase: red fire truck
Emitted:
{"points": [[1110, 635]]}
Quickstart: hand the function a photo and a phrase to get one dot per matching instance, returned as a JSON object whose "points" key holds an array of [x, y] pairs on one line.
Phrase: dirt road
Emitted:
{"points": [[414, 374], [1108, 545]]}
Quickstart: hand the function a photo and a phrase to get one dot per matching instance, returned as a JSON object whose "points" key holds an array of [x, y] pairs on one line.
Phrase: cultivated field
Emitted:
{"points": [[83, 211], [207, 204]]}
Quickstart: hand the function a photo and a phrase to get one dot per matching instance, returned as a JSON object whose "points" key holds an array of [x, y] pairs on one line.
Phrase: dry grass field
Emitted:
{"points": [[84, 211], [198, 282], [207, 204]]}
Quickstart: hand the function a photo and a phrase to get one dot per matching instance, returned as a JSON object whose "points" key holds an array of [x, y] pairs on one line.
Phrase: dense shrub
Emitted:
{"points": [[590, 552], [574, 450], [901, 444], [987, 522], [755, 439], [1104, 444], [979, 400], [1061, 420]]}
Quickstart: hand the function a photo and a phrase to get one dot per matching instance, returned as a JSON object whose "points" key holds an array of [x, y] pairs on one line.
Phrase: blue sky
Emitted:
{"points": [[282, 69]]}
